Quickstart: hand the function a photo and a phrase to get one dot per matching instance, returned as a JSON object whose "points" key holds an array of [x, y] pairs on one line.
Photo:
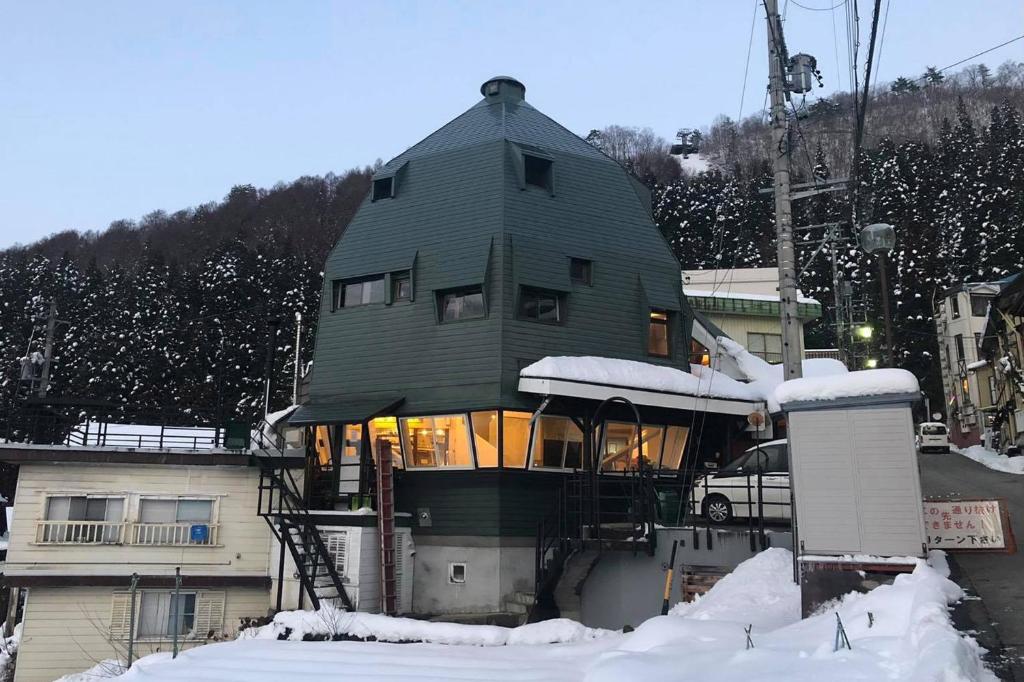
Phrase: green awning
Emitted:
{"points": [[459, 264], [540, 264], [348, 410], [662, 290]]}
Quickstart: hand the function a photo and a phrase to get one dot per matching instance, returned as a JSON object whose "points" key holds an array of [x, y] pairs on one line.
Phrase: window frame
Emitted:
{"points": [[168, 636], [537, 294], [396, 280], [666, 323], [588, 271], [339, 286], [548, 177], [212, 499], [409, 459], [655, 466], [955, 306], [765, 354], [535, 432], [441, 294], [375, 196], [120, 526], [984, 300]]}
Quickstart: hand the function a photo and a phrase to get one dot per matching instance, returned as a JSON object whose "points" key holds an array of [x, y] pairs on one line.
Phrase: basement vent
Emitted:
{"points": [[337, 549]]}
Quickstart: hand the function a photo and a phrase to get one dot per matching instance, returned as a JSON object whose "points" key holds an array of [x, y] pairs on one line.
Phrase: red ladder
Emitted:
{"points": [[386, 527]]}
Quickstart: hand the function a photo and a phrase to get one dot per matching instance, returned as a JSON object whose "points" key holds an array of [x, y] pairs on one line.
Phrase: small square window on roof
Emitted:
{"points": [[384, 188], [581, 270], [537, 171]]}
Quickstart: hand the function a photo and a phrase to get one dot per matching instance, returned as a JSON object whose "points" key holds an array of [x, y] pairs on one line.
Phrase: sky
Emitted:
{"points": [[110, 110]]}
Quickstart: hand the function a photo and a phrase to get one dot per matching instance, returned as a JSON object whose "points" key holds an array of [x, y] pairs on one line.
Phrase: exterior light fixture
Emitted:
{"points": [[871, 363], [865, 332], [877, 238]]}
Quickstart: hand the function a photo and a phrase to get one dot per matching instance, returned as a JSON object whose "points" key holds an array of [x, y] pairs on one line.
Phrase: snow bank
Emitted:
{"points": [[632, 374], [993, 460], [868, 382], [329, 621], [8, 649], [759, 591], [103, 670], [898, 632]]}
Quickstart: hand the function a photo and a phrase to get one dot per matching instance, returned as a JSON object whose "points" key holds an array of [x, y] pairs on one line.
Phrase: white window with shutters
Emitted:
{"points": [[193, 614], [337, 548]]}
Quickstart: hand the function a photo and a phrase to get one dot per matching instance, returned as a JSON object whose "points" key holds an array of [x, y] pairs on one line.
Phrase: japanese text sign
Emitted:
{"points": [[967, 525]]}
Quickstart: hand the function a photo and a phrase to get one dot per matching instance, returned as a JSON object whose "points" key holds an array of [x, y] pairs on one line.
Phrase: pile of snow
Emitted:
{"points": [[900, 631], [632, 374], [868, 382], [104, 670], [8, 650], [329, 621], [994, 460], [759, 591]]}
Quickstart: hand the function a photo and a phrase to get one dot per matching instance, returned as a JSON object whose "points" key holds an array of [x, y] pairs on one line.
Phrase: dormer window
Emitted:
{"points": [[657, 334], [580, 271], [537, 171], [383, 188]]}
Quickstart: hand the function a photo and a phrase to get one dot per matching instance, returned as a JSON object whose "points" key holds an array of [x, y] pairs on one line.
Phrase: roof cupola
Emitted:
{"points": [[503, 89]]}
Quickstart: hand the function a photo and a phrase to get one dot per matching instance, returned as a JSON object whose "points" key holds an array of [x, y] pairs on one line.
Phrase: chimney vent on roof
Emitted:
{"points": [[503, 88]]}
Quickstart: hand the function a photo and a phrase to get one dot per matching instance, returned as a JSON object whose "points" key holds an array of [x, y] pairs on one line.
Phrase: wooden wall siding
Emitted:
{"points": [[737, 326], [487, 503], [459, 189], [66, 629], [241, 532]]}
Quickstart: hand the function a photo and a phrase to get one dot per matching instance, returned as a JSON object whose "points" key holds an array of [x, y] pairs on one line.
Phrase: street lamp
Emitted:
{"points": [[880, 238]]}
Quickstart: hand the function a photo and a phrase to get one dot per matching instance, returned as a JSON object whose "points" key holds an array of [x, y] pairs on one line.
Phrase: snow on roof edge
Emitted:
{"points": [[862, 383]]}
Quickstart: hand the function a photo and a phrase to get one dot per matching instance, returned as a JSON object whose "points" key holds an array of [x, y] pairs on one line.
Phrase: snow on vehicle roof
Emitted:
{"points": [[869, 382]]}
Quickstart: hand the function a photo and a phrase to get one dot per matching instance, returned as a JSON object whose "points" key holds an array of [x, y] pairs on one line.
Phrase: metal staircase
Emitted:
{"points": [[281, 505], [592, 514]]}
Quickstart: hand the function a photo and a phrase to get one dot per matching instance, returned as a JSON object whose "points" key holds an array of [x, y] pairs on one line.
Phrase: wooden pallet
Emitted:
{"points": [[697, 580]]}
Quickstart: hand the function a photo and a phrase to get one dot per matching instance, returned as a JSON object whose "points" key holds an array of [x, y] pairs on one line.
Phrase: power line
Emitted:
{"points": [[746, 69], [967, 59], [881, 41], [819, 9]]}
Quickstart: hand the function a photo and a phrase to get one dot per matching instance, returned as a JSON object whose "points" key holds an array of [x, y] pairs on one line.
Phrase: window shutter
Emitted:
{"points": [[209, 614], [399, 569], [120, 614], [337, 549]]}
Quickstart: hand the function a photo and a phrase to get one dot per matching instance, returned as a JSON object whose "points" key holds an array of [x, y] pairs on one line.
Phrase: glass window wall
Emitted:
{"points": [[437, 442], [557, 444], [385, 429]]}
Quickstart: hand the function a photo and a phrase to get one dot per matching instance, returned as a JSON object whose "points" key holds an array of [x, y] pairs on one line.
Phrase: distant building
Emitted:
{"points": [[960, 317], [1000, 372], [744, 304]]}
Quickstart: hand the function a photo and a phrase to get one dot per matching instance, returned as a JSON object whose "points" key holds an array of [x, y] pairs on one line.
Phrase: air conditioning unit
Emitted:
{"points": [[355, 551]]}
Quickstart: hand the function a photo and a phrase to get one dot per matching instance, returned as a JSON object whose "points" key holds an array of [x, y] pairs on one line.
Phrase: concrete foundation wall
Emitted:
{"points": [[494, 570], [626, 590]]}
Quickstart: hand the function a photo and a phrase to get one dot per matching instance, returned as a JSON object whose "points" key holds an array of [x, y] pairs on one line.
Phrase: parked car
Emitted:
{"points": [[732, 491], [932, 437]]}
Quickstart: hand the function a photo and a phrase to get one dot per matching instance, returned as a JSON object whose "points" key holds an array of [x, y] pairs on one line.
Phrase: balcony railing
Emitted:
{"points": [[116, 533], [176, 534], [80, 532]]}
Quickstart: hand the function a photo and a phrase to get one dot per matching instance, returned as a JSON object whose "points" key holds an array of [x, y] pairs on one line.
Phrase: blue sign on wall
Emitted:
{"points": [[199, 534]]}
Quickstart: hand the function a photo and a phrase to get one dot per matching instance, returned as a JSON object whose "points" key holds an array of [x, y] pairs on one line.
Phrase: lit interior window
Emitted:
{"points": [[436, 442], [620, 451], [657, 334], [385, 430]]}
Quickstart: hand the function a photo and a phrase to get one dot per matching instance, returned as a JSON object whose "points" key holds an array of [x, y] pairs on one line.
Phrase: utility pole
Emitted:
{"points": [[51, 326], [272, 326], [777, 83], [297, 373]]}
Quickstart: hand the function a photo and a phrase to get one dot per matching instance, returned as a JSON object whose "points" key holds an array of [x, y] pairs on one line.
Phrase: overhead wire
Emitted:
{"points": [[881, 41], [819, 9], [746, 69], [973, 56]]}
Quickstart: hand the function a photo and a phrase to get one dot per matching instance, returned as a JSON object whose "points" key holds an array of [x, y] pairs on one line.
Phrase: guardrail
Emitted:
{"points": [[174, 534], [80, 532]]}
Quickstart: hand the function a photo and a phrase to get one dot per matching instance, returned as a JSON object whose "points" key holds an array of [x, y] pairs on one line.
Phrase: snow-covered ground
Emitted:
{"points": [[897, 632], [993, 460]]}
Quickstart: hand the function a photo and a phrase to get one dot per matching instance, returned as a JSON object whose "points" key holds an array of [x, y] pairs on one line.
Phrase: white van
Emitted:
{"points": [[932, 437]]}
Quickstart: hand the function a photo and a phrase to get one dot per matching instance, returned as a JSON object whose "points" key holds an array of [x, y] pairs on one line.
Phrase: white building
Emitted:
{"points": [[744, 303]]}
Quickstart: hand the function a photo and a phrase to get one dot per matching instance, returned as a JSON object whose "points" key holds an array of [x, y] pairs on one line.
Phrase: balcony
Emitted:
{"points": [[80, 532], [174, 534], [117, 533]]}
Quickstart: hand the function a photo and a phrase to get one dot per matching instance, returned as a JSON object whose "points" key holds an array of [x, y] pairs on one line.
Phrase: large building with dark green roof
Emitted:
{"points": [[499, 240]]}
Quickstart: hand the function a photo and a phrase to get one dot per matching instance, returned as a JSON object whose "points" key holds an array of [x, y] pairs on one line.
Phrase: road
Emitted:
{"points": [[998, 579]]}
